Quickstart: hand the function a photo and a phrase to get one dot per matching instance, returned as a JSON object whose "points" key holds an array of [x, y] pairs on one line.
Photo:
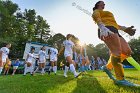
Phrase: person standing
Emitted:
{"points": [[68, 45], [4, 51], [15, 66], [108, 32], [53, 59], [29, 62]]}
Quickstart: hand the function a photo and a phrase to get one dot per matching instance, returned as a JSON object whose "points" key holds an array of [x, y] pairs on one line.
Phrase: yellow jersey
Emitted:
{"points": [[106, 17], [8, 63]]}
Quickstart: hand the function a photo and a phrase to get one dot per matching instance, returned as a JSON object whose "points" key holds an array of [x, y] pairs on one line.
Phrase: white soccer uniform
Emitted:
{"points": [[42, 56], [68, 44], [5, 52], [53, 54], [30, 57]]}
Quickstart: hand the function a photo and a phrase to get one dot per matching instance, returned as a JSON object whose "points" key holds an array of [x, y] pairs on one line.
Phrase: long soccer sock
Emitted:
{"points": [[72, 69], [118, 68], [79, 69], [82, 68], [25, 69], [55, 69], [36, 69], [109, 64], [31, 69], [50, 68], [86, 67], [43, 71], [66, 70], [1, 68]]}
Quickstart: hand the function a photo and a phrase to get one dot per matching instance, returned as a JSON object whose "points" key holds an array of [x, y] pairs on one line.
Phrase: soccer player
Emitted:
{"points": [[53, 59], [108, 32], [42, 60], [7, 67], [68, 45], [29, 62], [4, 51]]}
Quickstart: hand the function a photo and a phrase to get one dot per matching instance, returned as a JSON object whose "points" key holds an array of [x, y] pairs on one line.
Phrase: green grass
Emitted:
{"points": [[98, 83]]}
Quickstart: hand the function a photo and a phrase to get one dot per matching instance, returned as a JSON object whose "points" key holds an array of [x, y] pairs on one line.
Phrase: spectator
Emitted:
{"points": [[15, 66], [7, 67]]}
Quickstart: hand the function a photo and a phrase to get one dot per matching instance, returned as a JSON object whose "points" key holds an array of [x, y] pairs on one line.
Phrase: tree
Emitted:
{"points": [[42, 29], [135, 46]]}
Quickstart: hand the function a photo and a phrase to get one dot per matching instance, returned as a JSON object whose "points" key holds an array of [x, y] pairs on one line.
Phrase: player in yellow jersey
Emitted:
{"points": [[7, 67], [108, 32]]}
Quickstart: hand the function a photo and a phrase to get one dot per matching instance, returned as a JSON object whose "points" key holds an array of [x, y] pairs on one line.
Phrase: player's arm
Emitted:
{"points": [[103, 30], [129, 30]]}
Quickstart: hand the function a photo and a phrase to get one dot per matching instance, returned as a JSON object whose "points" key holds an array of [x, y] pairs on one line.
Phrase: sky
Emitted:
{"points": [[74, 16]]}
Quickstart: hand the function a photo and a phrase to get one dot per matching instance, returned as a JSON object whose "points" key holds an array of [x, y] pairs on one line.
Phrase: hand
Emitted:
{"points": [[104, 32], [130, 30]]}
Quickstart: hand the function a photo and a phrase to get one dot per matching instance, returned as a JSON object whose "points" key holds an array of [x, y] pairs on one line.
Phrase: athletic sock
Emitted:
{"points": [[55, 69], [66, 70], [43, 70], [31, 69], [72, 68], [83, 68], [36, 69], [1, 68], [50, 68], [25, 69]]}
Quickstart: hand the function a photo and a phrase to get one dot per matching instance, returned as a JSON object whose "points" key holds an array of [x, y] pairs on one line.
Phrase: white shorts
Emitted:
{"points": [[53, 59], [42, 61], [15, 67], [3, 61], [30, 61], [68, 54]]}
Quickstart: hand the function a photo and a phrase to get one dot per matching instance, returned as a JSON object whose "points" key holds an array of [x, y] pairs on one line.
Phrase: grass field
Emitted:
{"points": [[97, 83]]}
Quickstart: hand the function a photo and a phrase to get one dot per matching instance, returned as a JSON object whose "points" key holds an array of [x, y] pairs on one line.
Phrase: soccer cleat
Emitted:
{"points": [[31, 74], [65, 75], [107, 72], [49, 72], [126, 83], [78, 74]]}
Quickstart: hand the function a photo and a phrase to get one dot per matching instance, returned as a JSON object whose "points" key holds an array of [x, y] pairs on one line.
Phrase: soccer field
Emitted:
{"points": [[96, 82]]}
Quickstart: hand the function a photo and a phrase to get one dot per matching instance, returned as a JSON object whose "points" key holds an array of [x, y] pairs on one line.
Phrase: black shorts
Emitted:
{"points": [[112, 29]]}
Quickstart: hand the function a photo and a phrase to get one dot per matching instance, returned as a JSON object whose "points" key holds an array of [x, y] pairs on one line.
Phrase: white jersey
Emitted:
{"points": [[5, 52], [30, 57], [68, 44], [53, 54], [42, 55]]}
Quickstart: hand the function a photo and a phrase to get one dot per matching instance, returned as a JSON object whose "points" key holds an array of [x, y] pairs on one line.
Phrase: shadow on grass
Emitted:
{"points": [[129, 89], [88, 85], [134, 78], [32, 84]]}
